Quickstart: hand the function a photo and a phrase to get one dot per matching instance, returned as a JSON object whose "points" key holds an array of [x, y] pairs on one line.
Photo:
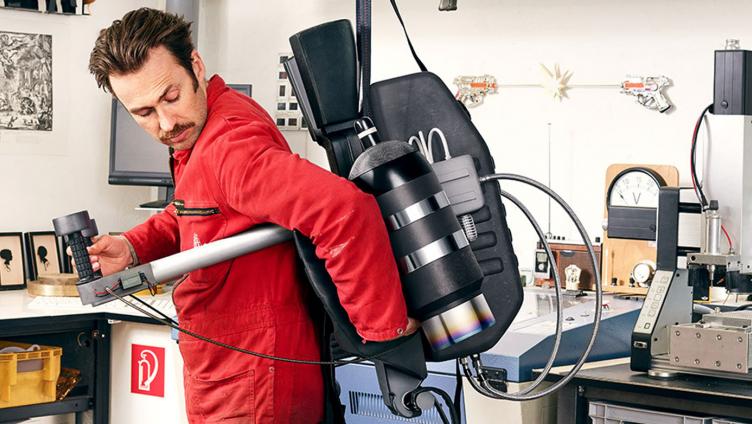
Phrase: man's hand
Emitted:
{"points": [[110, 254], [412, 326]]}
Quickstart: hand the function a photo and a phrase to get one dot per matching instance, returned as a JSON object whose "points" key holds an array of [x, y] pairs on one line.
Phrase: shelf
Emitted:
{"points": [[66, 406]]}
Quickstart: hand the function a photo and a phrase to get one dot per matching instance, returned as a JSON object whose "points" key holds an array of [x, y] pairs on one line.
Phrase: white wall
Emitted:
{"points": [[45, 175], [601, 42]]}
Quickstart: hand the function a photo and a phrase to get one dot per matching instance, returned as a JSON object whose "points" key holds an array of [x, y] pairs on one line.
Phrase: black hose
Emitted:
{"points": [[449, 404]]}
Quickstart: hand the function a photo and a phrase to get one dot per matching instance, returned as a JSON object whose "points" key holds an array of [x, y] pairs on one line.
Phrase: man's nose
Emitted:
{"points": [[166, 122]]}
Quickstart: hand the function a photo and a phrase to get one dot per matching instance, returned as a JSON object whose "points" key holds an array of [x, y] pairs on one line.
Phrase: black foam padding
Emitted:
{"points": [[485, 240], [326, 59], [419, 102]]}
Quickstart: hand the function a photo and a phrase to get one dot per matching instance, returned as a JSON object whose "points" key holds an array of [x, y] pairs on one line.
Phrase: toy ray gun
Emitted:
{"points": [[649, 91], [473, 89]]}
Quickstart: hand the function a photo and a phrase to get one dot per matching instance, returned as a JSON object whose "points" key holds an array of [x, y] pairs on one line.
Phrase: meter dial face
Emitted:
{"points": [[636, 188], [542, 260], [643, 273]]}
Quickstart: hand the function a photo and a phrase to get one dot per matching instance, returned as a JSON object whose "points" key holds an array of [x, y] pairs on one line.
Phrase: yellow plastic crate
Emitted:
{"points": [[28, 377]]}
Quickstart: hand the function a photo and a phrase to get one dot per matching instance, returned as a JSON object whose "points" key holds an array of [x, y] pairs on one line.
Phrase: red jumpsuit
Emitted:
{"points": [[241, 173]]}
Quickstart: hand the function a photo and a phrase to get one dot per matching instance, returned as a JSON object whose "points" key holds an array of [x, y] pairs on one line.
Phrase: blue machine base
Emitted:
{"points": [[361, 396], [525, 346]]}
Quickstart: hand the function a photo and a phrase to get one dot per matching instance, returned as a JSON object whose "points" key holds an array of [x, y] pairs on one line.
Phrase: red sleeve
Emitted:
{"points": [[157, 237], [262, 179]]}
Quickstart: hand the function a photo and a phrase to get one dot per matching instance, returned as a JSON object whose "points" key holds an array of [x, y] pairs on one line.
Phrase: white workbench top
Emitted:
{"points": [[17, 304]]}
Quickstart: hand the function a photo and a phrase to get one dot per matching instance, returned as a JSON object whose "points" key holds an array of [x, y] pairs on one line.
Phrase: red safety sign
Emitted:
{"points": [[147, 370]]}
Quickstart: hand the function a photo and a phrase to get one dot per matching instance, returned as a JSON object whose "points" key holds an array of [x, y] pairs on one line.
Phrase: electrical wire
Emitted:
{"points": [[696, 184], [157, 311], [425, 146], [728, 237], [439, 408], [235, 348], [442, 138], [490, 391], [442, 414], [171, 323], [450, 406], [557, 287]]}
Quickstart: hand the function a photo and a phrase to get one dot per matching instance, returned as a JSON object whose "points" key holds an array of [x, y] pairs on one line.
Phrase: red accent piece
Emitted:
{"points": [[147, 370]]}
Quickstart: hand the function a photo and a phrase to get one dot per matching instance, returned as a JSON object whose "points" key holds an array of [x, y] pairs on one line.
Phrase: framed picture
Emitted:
{"points": [[43, 253], [12, 264]]}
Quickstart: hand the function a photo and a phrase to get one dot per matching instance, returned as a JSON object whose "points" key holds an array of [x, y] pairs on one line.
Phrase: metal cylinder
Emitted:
{"points": [[712, 232], [441, 278], [260, 237]]}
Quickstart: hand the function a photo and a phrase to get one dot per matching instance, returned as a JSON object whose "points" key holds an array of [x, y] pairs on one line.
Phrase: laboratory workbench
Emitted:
{"points": [[83, 332], [686, 394]]}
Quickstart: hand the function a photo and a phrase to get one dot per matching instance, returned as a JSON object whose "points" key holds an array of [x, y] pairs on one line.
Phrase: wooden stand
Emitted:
{"points": [[572, 254], [619, 256], [64, 285], [54, 285]]}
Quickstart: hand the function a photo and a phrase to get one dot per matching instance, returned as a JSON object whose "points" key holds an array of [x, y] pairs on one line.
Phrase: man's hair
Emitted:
{"points": [[123, 47]]}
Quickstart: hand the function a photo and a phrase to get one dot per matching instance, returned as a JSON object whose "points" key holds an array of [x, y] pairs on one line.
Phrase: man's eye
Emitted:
{"points": [[145, 113], [172, 99]]}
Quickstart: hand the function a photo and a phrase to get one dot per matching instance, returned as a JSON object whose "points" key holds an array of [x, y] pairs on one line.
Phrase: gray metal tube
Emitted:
{"points": [[258, 238], [713, 232]]}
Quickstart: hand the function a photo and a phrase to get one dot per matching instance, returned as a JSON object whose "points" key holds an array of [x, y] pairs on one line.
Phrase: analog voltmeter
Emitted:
{"points": [[632, 202]]}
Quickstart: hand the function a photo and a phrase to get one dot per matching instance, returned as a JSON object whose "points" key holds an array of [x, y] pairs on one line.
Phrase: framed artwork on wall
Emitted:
{"points": [[66, 7], [12, 264], [26, 103]]}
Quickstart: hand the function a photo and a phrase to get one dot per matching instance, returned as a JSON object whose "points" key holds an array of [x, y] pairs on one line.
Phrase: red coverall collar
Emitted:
{"points": [[215, 87]]}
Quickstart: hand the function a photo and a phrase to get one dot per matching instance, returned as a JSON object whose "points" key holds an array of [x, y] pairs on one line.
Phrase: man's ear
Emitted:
{"points": [[199, 69]]}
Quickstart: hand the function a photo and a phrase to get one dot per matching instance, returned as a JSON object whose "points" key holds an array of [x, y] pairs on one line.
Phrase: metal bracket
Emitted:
{"points": [[497, 377], [731, 262]]}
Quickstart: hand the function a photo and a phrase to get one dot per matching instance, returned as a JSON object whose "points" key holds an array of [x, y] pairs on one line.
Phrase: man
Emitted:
{"points": [[233, 170]]}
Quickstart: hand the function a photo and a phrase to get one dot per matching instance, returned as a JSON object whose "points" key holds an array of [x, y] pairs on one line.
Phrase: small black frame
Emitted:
{"points": [[7, 258], [33, 242]]}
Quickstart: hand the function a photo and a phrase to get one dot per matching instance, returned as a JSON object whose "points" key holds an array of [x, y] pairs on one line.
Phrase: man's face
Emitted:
{"points": [[161, 98]]}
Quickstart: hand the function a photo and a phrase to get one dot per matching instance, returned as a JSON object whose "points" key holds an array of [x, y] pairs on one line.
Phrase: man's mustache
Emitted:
{"points": [[167, 136]]}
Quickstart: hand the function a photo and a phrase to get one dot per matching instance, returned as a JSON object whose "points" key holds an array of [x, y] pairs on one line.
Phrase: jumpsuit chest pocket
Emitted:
{"points": [[201, 222]]}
